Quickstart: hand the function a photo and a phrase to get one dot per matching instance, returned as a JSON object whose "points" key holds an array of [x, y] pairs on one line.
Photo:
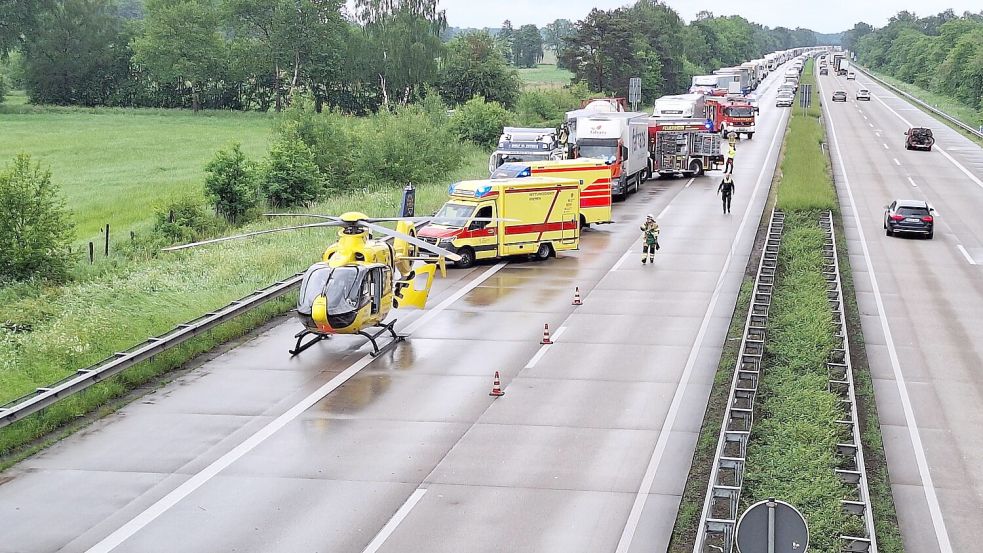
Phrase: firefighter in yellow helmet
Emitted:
{"points": [[650, 239]]}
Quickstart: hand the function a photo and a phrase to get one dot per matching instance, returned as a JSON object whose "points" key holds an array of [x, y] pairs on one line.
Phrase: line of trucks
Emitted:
{"points": [[547, 184]]}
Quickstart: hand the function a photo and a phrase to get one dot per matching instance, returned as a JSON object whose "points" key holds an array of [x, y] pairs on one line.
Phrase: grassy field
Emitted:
{"points": [[114, 164], [545, 76]]}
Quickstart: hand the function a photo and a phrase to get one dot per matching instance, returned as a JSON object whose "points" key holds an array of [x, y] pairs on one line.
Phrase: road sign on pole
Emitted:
{"points": [[805, 95], [772, 526], [634, 92]]}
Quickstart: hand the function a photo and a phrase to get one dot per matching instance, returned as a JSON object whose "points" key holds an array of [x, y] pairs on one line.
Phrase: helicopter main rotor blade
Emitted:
{"points": [[412, 240], [247, 235]]}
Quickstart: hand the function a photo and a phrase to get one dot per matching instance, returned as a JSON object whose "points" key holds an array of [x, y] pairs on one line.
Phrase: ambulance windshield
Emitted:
{"points": [[511, 171], [453, 215]]}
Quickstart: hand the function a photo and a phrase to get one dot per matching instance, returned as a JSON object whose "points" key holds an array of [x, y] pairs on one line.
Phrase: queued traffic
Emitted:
{"points": [[547, 184]]}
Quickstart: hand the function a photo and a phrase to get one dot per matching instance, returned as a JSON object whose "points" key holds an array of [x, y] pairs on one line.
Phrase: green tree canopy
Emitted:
{"points": [[182, 44], [473, 67], [77, 54]]}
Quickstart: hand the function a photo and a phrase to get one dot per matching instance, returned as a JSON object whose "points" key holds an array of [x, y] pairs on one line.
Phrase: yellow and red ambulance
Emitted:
{"points": [[594, 176], [487, 219]]}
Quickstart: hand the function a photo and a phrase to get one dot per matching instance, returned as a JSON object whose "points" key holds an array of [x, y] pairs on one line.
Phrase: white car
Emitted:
{"points": [[784, 101], [863, 94]]}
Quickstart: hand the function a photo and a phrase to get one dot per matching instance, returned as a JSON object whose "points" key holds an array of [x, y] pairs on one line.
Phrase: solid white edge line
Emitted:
{"points": [[660, 447], [966, 254], [622, 260], [176, 495], [958, 165], [941, 533], [397, 518], [545, 347]]}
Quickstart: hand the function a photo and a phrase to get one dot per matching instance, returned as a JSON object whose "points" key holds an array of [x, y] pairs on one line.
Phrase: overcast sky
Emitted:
{"points": [[825, 16]]}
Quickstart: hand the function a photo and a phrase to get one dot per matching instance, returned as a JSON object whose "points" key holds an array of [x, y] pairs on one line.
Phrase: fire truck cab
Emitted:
{"points": [[731, 115]]}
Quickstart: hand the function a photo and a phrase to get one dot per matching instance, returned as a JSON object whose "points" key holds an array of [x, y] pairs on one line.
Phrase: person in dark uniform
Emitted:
{"points": [[726, 191]]}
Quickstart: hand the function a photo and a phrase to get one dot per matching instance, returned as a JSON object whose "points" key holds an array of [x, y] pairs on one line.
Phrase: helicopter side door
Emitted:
{"points": [[414, 290]]}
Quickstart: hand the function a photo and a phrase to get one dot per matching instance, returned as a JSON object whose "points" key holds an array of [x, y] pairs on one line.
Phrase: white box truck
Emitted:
{"points": [[620, 138], [680, 105]]}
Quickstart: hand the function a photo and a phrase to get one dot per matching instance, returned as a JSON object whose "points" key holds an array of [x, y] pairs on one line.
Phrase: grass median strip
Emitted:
{"points": [[792, 453]]}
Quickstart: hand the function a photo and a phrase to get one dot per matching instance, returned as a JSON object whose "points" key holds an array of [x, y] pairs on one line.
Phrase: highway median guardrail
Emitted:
{"points": [[921, 103]]}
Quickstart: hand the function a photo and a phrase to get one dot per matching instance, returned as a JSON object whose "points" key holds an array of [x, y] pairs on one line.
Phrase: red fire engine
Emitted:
{"points": [[731, 115], [684, 146]]}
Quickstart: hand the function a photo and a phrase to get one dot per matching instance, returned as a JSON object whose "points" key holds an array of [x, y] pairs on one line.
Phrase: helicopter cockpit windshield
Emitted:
{"points": [[339, 285]]}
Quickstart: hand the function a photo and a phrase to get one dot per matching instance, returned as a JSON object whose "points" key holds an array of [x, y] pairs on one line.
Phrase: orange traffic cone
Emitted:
{"points": [[497, 387], [546, 335], [576, 297]]}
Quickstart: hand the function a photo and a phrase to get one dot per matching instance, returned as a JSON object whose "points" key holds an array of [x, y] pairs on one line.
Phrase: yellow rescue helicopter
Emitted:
{"points": [[359, 279]]}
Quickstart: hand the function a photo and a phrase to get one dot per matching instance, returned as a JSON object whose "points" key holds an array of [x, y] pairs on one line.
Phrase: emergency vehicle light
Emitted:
{"points": [[450, 189], [481, 192]]}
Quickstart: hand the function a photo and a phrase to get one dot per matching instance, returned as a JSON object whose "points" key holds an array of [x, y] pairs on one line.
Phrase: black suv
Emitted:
{"points": [[914, 216], [919, 138]]}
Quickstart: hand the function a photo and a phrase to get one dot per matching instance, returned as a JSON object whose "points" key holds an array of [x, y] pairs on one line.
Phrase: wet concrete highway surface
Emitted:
{"points": [[334, 452], [921, 305]]}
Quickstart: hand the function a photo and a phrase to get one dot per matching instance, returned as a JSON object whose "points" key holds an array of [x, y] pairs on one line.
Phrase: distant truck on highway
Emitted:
{"points": [[618, 137], [680, 105], [740, 79], [536, 216], [710, 84], [526, 144]]}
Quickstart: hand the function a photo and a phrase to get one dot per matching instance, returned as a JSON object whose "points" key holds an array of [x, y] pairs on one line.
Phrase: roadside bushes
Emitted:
{"points": [[35, 225], [479, 121], [231, 183], [184, 220], [291, 177], [547, 108], [414, 144]]}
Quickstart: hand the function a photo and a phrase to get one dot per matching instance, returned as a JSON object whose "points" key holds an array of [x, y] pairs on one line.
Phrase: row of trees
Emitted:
{"points": [[651, 41], [942, 53], [234, 54], [357, 56]]}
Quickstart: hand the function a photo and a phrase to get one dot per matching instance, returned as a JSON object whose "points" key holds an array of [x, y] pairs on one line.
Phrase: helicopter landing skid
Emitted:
{"points": [[300, 338], [383, 328]]}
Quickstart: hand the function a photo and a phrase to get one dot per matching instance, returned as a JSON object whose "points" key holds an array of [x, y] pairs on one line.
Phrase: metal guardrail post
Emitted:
{"points": [[840, 376], [718, 519]]}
